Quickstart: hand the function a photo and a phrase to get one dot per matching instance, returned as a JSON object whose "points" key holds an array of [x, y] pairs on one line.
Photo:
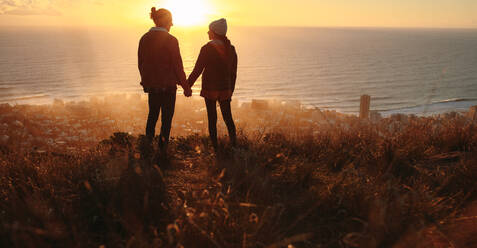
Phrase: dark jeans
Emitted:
{"points": [[226, 115], [166, 102]]}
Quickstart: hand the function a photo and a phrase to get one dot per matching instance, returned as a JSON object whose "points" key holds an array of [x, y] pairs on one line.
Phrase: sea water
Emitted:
{"points": [[420, 71]]}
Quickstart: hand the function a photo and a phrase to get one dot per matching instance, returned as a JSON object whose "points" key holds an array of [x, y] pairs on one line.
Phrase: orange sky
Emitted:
{"points": [[374, 13]]}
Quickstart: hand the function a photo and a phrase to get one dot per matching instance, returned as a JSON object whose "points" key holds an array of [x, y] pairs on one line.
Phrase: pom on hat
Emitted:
{"points": [[219, 26]]}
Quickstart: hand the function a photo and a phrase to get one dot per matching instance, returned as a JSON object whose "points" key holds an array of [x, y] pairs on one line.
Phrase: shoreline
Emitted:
{"points": [[434, 108], [78, 126]]}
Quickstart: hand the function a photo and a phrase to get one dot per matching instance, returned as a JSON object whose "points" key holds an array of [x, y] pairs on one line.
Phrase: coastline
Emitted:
{"points": [[78, 126], [429, 108]]}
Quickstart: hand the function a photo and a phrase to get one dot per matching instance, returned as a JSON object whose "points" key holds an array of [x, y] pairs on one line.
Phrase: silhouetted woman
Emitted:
{"points": [[218, 64]]}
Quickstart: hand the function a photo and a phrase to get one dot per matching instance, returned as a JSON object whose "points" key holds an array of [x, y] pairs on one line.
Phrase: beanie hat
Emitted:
{"points": [[219, 26]]}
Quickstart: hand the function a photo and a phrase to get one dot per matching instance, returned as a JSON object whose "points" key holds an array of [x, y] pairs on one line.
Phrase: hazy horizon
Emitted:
{"points": [[240, 26], [198, 13]]}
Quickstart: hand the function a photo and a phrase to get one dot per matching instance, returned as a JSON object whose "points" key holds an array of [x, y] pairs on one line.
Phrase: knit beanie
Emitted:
{"points": [[219, 26]]}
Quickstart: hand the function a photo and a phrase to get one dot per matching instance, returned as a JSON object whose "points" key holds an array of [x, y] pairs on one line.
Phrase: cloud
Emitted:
{"points": [[6, 5], [47, 12], [28, 7]]}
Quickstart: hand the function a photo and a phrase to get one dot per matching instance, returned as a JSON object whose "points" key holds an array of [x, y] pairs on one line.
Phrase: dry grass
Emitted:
{"points": [[390, 184]]}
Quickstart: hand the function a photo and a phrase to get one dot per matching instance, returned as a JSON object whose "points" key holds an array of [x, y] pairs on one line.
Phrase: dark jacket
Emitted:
{"points": [[219, 67], [160, 62]]}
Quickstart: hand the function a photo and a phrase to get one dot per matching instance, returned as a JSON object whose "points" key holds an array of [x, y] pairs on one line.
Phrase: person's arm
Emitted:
{"points": [[198, 68], [178, 66], [140, 56], [234, 68]]}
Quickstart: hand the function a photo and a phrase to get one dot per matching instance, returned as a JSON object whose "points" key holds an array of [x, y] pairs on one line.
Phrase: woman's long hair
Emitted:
{"points": [[226, 40], [227, 43]]}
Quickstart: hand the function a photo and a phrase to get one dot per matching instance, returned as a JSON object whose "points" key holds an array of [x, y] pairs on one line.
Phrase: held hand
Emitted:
{"points": [[188, 92]]}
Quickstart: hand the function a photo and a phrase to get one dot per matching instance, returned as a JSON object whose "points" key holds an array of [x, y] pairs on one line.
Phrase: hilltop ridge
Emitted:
{"points": [[402, 181]]}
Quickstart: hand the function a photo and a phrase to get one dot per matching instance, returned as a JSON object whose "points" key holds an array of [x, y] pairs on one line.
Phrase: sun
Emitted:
{"points": [[187, 12]]}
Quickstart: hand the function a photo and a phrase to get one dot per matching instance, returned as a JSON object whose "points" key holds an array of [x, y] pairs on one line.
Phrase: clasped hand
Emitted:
{"points": [[188, 92]]}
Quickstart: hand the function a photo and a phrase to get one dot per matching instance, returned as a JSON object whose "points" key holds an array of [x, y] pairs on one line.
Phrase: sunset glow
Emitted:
{"points": [[194, 13], [188, 12]]}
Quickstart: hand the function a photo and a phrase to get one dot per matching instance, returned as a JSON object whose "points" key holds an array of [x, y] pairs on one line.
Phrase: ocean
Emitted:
{"points": [[412, 71]]}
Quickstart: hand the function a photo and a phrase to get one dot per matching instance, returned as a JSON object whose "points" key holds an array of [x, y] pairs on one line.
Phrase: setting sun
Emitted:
{"points": [[188, 12]]}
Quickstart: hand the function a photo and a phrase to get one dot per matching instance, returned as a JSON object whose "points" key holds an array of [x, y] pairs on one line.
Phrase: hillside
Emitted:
{"points": [[403, 181]]}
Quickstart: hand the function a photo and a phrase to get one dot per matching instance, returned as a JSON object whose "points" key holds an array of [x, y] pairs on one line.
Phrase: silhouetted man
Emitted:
{"points": [[161, 69]]}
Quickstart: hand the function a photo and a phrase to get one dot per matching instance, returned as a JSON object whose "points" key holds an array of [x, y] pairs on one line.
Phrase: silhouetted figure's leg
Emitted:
{"points": [[212, 118], [168, 104], [227, 115], [154, 108]]}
